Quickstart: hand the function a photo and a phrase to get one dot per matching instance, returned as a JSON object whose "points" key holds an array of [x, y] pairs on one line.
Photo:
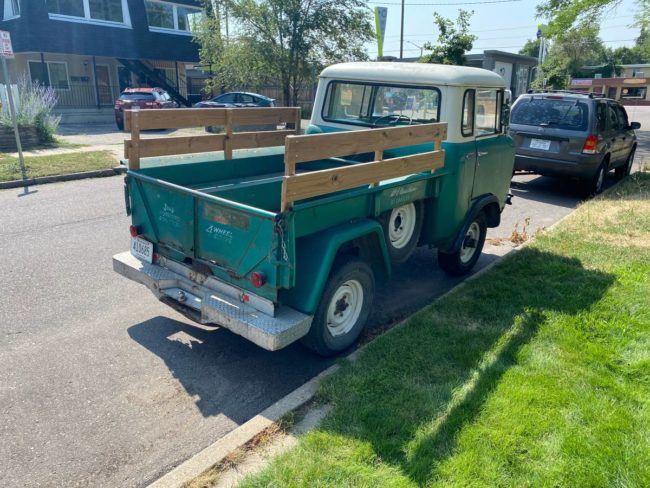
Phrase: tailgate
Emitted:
{"points": [[548, 143], [215, 236]]}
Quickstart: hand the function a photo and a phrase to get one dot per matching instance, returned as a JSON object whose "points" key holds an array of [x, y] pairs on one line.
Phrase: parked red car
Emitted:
{"points": [[143, 98]]}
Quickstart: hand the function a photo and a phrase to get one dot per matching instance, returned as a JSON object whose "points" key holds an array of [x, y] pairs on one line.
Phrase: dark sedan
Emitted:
{"points": [[237, 99]]}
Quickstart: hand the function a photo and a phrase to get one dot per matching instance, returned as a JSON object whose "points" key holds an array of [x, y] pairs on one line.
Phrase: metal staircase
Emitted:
{"points": [[141, 69]]}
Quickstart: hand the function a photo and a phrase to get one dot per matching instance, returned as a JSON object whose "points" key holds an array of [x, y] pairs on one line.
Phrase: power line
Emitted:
{"points": [[442, 4], [506, 47], [431, 35]]}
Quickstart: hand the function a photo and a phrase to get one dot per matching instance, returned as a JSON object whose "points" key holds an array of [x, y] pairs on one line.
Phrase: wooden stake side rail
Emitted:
{"points": [[138, 120], [300, 149]]}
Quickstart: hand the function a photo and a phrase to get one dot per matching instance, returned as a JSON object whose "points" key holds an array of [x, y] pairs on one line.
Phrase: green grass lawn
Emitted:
{"points": [[56, 164], [536, 374]]}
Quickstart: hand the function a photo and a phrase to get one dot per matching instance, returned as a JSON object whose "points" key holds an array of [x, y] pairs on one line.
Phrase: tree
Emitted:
{"points": [[453, 40], [531, 48], [566, 14], [570, 52], [283, 40]]}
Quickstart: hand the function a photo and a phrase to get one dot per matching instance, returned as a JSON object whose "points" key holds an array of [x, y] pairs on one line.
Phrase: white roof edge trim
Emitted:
{"points": [[415, 74]]}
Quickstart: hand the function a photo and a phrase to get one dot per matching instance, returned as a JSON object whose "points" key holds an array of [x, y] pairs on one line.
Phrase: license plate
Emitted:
{"points": [[540, 144], [142, 249]]}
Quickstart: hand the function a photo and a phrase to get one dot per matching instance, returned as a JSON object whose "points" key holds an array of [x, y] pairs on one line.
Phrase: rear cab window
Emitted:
{"points": [[374, 105], [559, 113]]}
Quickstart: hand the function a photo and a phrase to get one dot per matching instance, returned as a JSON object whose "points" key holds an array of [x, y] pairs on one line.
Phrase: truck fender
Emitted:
{"points": [[317, 253], [489, 203]]}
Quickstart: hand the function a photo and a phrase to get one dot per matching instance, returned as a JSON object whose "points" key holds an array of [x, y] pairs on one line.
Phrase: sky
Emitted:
{"points": [[504, 26]]}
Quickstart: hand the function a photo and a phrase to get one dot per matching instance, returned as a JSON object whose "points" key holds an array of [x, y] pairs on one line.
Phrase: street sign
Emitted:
{"points": [[6, 50]]}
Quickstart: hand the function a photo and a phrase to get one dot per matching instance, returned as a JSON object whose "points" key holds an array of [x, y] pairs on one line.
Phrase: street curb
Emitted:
{"points": [[67, 177], [237, 438]]}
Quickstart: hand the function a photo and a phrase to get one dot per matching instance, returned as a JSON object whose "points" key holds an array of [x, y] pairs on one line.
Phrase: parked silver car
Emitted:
{"points": [[572, 135]]}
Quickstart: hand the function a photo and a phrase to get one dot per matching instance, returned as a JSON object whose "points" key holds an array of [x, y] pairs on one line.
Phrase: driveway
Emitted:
{"points": [[101, 385]]}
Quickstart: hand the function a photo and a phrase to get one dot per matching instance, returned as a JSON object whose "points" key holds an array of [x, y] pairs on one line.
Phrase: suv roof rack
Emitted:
{"points": [[568, 92]]}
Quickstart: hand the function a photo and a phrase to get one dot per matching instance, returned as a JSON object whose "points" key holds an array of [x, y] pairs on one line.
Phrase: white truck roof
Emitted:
{"points": [[414, 73]]}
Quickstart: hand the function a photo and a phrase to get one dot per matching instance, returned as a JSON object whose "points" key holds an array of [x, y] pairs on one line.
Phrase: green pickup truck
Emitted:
{"points": [[280, 236]]}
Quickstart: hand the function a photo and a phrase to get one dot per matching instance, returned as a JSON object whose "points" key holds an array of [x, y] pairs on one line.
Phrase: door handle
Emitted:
{"points": [[482, 153]]}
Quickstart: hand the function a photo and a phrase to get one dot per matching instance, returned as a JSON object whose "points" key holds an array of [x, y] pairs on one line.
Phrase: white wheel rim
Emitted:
{"points": [[470, 243], [401, 225], [344, 308]]}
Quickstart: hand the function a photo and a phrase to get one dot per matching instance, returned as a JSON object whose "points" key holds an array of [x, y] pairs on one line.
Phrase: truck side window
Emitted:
{"points": [[467, 123], [487, 112]]}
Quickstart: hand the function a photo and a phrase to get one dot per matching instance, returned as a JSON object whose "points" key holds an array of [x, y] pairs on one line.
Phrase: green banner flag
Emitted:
{"points": [[380, 28]]}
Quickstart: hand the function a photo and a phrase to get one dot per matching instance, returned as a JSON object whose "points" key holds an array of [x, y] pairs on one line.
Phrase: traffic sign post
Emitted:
{"points": [[7, 52]]}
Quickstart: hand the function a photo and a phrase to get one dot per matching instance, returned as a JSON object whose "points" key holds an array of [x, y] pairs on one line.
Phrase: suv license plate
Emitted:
{"points": [[540, 144], [142, 249]]}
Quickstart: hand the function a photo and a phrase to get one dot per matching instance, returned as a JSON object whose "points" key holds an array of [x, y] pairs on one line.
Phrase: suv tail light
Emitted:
{"points": [[591, 144], [118, 103]]}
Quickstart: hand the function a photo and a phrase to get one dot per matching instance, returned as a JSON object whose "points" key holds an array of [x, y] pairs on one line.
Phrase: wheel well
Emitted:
{"points": [[493, 214], [368, 248]]}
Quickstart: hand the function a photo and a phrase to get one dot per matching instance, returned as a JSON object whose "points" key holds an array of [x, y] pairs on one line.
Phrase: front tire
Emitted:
{"points": [[344, 308], [402, 227], [463, 260]]}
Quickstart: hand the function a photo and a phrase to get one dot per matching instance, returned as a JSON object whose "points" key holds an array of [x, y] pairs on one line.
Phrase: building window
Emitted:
{"points": [[51, 73], [165, 16], [112, 12], [12, 9]]}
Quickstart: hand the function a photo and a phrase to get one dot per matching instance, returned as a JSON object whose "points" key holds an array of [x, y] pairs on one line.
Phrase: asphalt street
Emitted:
{"points": [[102, 385]]}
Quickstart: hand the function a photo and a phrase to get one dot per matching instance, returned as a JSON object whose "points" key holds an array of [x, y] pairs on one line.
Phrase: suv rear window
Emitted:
{"points": [[545, 112], [137, 96]]}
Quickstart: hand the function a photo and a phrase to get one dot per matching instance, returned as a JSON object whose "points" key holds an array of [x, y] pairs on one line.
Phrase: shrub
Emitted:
{"points": [[34, 108]]}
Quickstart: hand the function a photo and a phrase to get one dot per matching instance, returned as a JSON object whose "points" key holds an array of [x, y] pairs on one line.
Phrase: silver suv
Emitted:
{"points": [[572, 135]]}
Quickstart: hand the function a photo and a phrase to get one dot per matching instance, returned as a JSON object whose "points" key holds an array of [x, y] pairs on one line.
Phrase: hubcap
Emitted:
{"points": [[345, 308], [470, 242], [401, 225]]}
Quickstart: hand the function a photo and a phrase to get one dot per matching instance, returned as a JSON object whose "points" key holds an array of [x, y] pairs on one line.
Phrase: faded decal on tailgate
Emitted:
{"points": [[226, 216], [168, 215], [218, 232]]}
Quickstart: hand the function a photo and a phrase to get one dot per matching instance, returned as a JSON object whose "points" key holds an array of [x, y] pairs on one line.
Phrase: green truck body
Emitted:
{"points": [[225, 251]]}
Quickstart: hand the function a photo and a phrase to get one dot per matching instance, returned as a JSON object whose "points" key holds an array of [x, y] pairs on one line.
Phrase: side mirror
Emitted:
{"points": [[635, 125]]}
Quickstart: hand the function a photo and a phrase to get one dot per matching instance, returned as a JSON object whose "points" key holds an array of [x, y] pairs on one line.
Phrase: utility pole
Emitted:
{"points": [[401, 35]]}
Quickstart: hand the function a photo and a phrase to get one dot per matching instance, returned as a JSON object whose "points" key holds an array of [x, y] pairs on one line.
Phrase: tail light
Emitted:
{"points": [[134, 231], [119, 104], [258, 279], [591, 144]]}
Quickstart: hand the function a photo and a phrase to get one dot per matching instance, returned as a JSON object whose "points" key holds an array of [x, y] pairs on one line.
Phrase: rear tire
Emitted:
{"points": [[463, 260], [623, 171], [594, 185], [343, 309], [402, 226]]}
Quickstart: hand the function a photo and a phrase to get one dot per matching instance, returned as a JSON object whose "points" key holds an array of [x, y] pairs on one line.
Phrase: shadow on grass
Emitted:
{"points": [[414, 390]]}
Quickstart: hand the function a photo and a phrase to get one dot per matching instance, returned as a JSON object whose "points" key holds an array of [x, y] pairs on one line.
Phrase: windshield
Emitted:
{"points": [[544, 112], [380, 105]]}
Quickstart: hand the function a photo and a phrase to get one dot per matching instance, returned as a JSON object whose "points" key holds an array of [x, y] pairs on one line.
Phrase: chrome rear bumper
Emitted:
{"points": [[214, 302]]}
